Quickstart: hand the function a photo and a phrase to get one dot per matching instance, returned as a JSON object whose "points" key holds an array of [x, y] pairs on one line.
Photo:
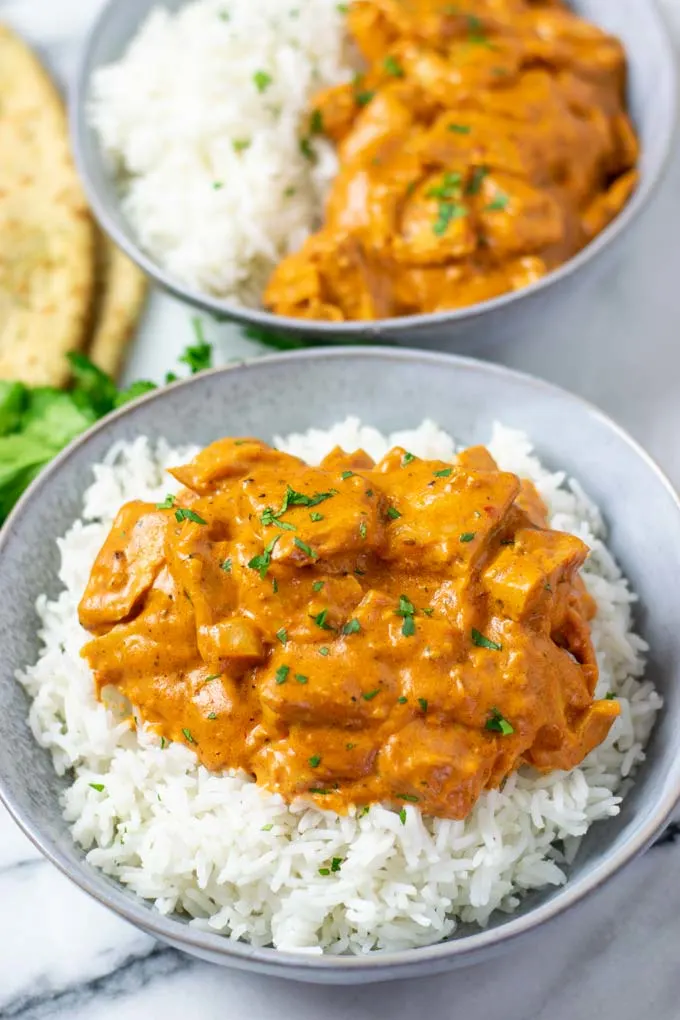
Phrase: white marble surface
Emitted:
{"points": [[63, 956]]}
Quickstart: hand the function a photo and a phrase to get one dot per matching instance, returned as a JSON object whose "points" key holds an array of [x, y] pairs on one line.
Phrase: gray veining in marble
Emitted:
{"points": [[62, 956]]}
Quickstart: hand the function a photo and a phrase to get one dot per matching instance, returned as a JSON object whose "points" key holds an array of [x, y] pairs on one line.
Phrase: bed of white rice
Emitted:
{"points": [[202, 119], [240, 861]]}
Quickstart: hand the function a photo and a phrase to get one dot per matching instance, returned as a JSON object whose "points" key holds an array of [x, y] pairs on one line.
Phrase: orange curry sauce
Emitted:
{"points": [[407, 631], [486, 143]]}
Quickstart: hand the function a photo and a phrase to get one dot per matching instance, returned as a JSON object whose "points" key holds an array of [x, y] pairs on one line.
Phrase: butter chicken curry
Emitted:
{"points": [[486, 143], [407, 631]]}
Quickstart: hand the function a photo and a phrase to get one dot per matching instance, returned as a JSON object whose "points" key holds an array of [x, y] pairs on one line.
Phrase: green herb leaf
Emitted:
{"points": [[185, 514], [213, 676], [316, 122], [408, 627], [188, 736], [347, 474], [351, 627], [307, 150], [281, 674], [467, 536], [407, 458], [369, 695], [167, 503], [402, 700], [314, 761], [406, 607], [324, 871], [262, 80], [485, 642], [212, 715], [301, 678], [226, 566], [268, 827], [364, 97], [423, 704], [282, 635], [402, 816], [241, 144], [477, 179], [336, 864], [318, 585], [306, 549], [199, 357], [460, 129], [314, 516], [393, 67], [320, 620], [444, 473], [393, 513], [99, 787], [498, 724], [350, 747], [362, 529], [262, 562], [410, 797], [499, 202], [324, 651], [609, 696], [275, 585]]}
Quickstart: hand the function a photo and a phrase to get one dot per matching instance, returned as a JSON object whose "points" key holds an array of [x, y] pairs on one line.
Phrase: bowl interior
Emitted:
{"points": [[389, 389], [652, 99]]}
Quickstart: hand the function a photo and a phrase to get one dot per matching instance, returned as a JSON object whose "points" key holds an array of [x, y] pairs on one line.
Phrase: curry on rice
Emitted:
{"points": [[406, 631], [484, 145]]}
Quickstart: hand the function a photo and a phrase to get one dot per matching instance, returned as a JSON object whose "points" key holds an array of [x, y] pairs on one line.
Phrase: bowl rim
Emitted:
{"points": [[377, 328], [409, 962]]}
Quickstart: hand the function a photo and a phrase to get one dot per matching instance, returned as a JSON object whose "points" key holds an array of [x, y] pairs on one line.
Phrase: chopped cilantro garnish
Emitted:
{"points": [[347, 474], [268, 827], [423, 704], [460, 129], [314, 761], [408, 627], [262, 562], [212, 715], [316, 122], [498, 724], [362, 529], [363, 98], [262, 80], [318, 585], [240, 144], [499, 202], [325, 650], [369, 695], [475, 182], [336, 864], [393, 513], [410, 797], [306, 549], [351, 627], [323, 871], [402, 700], [444, 473], [315, 516], [485, 642], [167, 503], [320, 620], [281, 674], [467, 536], [402, 816], [282, 635], [99, 787], [184, 514], [226, 566], [407, 458], [301, 678], [187, 734], [393, 67]]}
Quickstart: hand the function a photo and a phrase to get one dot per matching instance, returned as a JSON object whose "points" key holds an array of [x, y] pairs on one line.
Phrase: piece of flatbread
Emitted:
{"points": [[120, 294], [46, 231]]}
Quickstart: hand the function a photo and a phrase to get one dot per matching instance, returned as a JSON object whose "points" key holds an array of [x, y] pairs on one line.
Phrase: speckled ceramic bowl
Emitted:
{"points": [[390, 389], [652, 99]]}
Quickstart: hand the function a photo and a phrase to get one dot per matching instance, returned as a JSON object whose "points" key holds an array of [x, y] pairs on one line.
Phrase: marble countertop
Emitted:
{"points": [[63, 956]]}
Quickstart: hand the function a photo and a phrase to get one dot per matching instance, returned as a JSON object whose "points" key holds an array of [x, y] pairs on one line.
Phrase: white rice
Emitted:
{"points": [[240, 861], [174, 112]]}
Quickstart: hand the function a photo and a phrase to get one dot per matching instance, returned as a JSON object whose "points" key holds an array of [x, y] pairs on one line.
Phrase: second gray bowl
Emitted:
{"points": [[652, 100]]}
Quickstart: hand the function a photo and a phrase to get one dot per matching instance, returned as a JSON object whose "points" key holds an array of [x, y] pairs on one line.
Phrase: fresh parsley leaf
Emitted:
{"points": [[485, 642], [498, 723]]}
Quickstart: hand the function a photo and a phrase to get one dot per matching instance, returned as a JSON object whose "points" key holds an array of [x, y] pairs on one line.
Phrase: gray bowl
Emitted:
{"points": [[652, 97], [390, 389]]}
